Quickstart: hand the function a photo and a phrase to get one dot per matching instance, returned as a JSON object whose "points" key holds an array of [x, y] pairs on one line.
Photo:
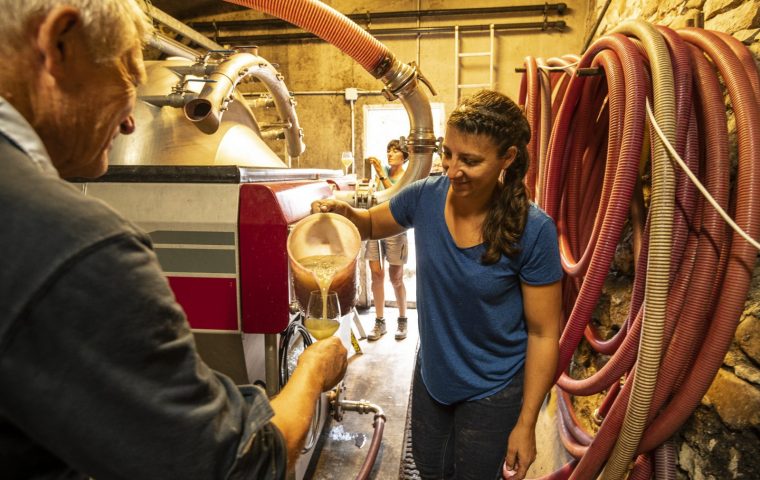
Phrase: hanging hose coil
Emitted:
{"points": [[689, 271]]}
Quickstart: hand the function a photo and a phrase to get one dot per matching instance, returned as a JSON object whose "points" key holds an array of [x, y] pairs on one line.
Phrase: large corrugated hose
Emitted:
{"points": [[691, 275], [329, 25]]}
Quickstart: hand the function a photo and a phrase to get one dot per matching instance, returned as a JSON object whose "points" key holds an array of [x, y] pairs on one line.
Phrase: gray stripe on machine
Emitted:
{"points": [[193, 238], [190, 260]]}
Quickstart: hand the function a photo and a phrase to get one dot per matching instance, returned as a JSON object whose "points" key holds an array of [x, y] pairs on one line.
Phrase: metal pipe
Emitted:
{"points": [[404, 83], [277, 134], [176, 100], [596, 26], [260, 102], [169, 46], [362, 406], [179, 27], [323, 92], [285, 37], [271, 365], [353, 134], [560, 8], [206, 110]]}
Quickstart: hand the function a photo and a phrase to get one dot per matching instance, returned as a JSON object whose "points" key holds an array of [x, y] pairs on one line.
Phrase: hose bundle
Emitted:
{"points": [[602, 155]]}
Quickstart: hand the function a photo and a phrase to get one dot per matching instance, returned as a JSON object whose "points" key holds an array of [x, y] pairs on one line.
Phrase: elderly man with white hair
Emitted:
{"points": [[98, 369]]}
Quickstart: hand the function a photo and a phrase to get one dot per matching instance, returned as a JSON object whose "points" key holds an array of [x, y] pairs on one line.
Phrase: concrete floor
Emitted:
{"points": [[382, 375]]}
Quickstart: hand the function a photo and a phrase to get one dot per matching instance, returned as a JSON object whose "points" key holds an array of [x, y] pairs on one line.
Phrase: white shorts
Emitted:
{"points": [[394, 249]]}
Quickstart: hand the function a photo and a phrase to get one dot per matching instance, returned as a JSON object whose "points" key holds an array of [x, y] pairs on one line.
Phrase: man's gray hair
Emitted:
{"points": [[113, 26]]}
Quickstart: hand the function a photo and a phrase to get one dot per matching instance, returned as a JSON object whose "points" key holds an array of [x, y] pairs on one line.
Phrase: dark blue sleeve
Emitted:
{"points": [[540, 260]]}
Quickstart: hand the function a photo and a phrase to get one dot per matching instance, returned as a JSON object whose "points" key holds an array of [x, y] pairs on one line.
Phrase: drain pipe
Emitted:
{"points": [[362, 406], [402, 81]]}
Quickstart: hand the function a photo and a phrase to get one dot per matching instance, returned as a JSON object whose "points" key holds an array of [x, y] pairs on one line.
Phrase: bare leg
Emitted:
{"points": [[396, 274], [378, 290]]}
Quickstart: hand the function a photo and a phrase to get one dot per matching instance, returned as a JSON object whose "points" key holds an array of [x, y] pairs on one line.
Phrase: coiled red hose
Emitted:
{"points": [[533, 113], [742, 256], [623, 180]]}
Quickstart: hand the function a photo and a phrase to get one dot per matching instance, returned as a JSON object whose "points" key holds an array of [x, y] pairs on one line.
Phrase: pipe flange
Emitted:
{"points": [[400, 79]]}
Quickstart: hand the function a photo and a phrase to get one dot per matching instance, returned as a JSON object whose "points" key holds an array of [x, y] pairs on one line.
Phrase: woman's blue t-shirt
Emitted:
{"points": [[472, 328]]}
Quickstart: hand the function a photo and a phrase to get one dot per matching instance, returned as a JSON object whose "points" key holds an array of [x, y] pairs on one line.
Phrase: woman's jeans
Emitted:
{"points": [[467, 440]]}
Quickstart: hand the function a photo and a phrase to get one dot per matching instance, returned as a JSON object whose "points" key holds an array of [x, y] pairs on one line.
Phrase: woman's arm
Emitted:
{"points": [[375, 223], [381, 176], [542, 306]]}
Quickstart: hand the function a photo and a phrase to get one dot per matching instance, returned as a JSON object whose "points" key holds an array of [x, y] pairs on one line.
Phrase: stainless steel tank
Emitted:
{"points": [[164, 136]]}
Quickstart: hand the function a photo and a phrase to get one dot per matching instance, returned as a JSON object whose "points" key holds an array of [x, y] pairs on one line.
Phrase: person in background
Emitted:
{"points": [[488, 295], [436, 167], [393, 250], [99, 372]]}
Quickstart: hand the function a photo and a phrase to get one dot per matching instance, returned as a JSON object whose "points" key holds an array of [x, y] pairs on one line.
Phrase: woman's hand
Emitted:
{"points": [[331, 205], [521, 452], [377, 165]]}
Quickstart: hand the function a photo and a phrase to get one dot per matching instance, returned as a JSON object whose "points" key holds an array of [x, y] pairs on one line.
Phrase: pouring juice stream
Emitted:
{"points": [[324, 268]]}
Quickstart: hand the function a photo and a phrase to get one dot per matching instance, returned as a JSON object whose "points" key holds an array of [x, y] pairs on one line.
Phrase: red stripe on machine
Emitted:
{"points": [[209, 303]]}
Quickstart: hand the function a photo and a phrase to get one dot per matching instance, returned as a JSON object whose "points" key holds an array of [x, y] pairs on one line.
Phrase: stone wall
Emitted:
{"points": [[722, 438]]}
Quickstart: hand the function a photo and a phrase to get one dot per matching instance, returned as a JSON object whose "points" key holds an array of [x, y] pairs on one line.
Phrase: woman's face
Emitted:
{"points": [[472, 163], [395, 157]]}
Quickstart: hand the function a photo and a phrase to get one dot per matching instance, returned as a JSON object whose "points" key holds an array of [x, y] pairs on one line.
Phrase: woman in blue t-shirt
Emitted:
{"points": [[488, 295]]}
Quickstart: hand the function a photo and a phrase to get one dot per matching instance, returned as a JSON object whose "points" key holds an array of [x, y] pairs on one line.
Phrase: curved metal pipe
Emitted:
{"points": [[402, 82], [206, 110]]}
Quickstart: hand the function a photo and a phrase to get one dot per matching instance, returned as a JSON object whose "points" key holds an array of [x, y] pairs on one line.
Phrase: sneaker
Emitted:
{"points": [[401, 332], [378, 330]]}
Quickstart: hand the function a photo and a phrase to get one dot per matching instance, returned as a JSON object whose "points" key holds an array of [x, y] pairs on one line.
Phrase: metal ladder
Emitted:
{"points": [[458, 55]]}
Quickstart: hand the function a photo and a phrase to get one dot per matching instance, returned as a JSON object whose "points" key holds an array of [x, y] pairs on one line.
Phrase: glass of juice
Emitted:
{"points": [[322, 314], [347, 158]]}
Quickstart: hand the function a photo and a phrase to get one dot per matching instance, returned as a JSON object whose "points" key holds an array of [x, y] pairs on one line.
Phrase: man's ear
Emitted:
{"points": [[56, 38]]}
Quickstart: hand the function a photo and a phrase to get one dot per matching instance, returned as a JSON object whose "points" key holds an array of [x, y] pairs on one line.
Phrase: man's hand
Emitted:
{"points": [[328, 357], [521, 452]]}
